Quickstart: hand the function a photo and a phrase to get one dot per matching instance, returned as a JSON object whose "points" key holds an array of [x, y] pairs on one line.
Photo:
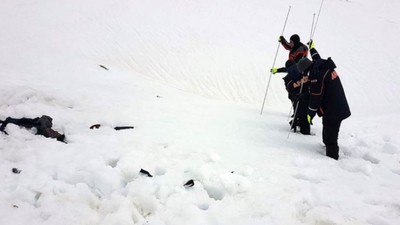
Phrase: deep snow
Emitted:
{"points": [[191, 77]]}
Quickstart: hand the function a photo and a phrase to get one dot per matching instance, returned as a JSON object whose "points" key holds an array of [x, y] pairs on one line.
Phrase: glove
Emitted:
{"points": [[281, 38], [309, 119], [310, 44], [310, 116], [274, 70]]}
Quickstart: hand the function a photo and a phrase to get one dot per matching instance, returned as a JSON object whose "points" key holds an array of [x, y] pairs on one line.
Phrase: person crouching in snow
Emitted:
{"points": [[327, 98]]}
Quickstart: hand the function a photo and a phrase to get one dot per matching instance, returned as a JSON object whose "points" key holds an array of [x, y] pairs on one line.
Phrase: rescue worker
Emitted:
{"points": [[297, 50], [298, 94], [327, 98]]}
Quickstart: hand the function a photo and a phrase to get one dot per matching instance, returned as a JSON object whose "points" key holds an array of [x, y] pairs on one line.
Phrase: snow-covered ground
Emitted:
{"points": [[190, 76]]}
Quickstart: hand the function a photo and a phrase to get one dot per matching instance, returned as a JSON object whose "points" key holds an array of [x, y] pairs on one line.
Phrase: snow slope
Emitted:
{"points": [[191, 77]]}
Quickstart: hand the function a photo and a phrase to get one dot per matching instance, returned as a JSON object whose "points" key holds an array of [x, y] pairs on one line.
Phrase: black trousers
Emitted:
{"points": [[330, 135], [301, 116]]}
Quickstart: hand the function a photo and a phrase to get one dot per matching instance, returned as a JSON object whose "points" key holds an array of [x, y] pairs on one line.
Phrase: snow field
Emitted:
{"points": [[190, 76]]}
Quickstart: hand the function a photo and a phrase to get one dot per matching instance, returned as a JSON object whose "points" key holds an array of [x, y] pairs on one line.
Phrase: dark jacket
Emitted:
{"points": [[297, 52], [297, 86], [327, 97], [293, 81]]}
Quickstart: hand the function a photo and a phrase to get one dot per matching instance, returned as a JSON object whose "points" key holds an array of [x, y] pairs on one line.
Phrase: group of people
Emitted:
{"points": [[314, 88]]}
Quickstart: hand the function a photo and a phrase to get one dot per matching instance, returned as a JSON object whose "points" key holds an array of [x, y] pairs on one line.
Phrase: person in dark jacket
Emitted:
{"points": [[297, 87], [327, 98], [297, 50]]}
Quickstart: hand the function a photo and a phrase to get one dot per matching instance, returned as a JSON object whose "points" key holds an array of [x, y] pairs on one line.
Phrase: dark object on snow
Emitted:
{"points": [[103, 67], [190, 183], [123, 127], [15, 206], [43, 126], [16, 171], [145, 172], [97, 126]]}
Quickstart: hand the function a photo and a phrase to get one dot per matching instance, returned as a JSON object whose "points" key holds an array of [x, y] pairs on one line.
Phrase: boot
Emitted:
{"points": [[305, 131], [304, 126], [332, 151]]}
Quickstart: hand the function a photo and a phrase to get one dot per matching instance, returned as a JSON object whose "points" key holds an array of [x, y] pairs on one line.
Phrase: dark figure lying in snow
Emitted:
{"points": [[43, 126]]}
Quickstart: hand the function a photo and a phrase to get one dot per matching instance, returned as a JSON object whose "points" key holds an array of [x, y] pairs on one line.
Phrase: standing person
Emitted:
{"points": [[293, 81], [297, 50], [296, 93], [327, 98]]}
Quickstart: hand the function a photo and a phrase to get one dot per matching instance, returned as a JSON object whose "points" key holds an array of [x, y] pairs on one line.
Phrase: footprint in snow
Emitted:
{"points": [[113, 162], [311, 176], [390, 148], [356, 166], [396, 171], [371, 158]]}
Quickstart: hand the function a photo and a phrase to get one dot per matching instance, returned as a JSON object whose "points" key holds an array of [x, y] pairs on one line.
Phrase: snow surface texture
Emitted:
{"points": [[191, 77]]}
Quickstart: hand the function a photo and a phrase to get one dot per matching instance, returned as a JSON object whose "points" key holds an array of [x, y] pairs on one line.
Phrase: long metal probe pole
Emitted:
{"points": [[273, 64], [301, 88], [319, 12], [312, 26]]}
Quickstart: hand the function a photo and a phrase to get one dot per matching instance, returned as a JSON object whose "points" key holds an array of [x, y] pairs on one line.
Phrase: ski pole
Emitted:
{"points": [[273, 64], [319, 12], [301, 88]]}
